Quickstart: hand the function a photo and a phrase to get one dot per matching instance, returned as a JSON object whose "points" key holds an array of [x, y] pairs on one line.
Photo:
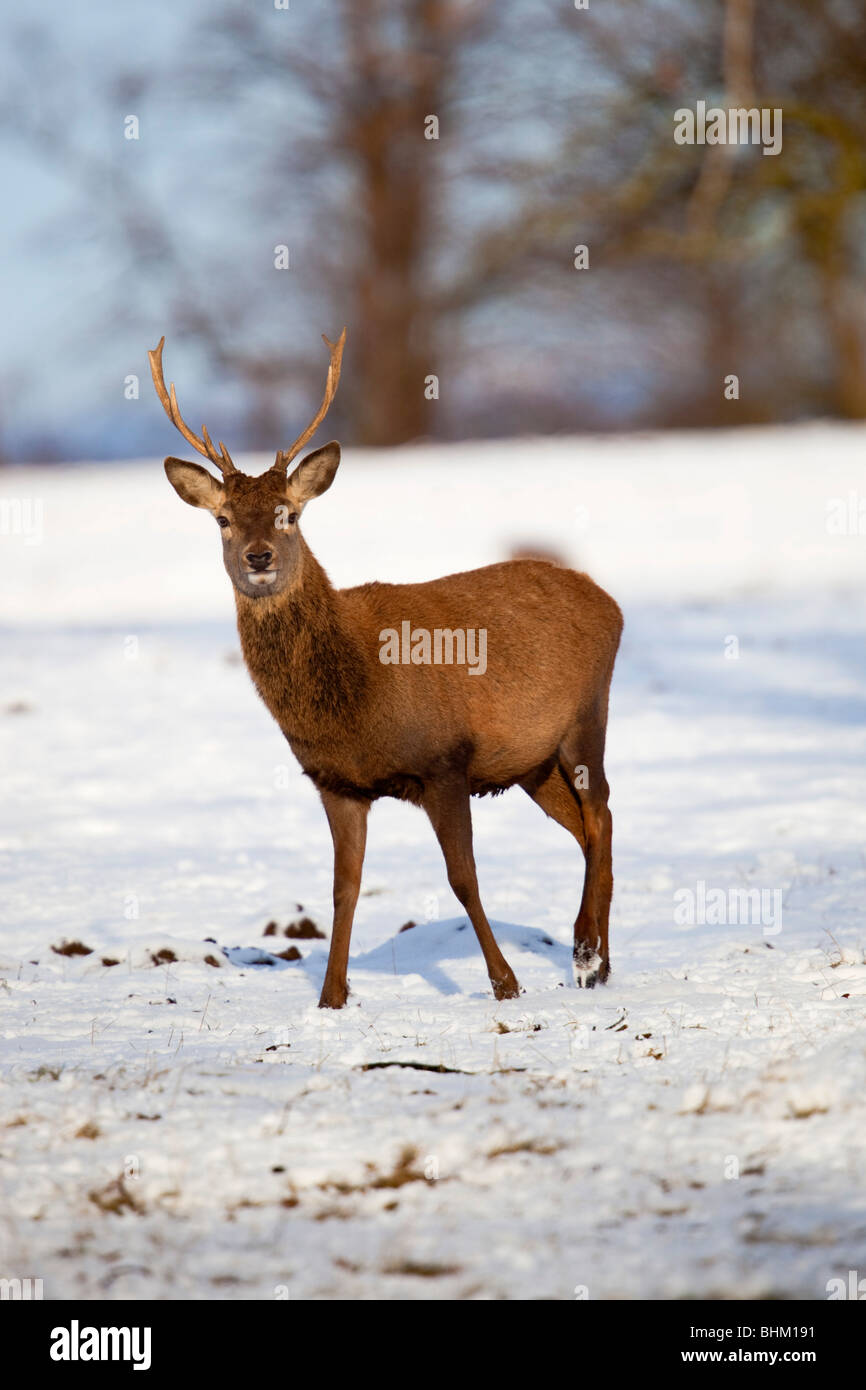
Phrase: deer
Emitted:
{"points": [[365, 723]]}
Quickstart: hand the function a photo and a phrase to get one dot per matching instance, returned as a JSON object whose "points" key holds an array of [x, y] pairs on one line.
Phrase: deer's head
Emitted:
{"points": [[257, 516]]}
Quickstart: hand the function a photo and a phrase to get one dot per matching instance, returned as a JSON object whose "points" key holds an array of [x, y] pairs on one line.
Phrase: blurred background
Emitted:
{"points": [[155, 158]]}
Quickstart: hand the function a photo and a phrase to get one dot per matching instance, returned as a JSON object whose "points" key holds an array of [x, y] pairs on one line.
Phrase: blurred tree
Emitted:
{"points": [[767, 251], [378, 77], [324, 122]]}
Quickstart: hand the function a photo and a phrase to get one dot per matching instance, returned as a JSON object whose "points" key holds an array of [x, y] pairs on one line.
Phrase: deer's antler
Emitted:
{"points": [[285, 456], [203, 444]]}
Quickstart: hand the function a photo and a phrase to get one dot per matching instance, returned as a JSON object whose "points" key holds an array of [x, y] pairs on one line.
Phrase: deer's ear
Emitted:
{"points": [[194, 484], [315, 473]]}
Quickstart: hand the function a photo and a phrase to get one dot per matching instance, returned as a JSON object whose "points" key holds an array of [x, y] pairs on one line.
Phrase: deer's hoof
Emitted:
{"points": [[590, 969], [506, 988], [334, 998]]}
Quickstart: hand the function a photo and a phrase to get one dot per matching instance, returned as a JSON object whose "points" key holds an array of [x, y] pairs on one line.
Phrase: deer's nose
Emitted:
{"points": [[259, 559]]}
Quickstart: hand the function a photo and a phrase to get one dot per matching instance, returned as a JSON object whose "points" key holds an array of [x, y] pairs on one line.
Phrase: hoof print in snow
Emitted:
{"points": [[72, 948], [248, 955], [304, 929], [116, 1198], [255, 956], [301, 928], [165, 956]]}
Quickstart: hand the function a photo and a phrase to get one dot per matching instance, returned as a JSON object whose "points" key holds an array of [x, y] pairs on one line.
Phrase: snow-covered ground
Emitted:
{"points": [[187, 1124]]}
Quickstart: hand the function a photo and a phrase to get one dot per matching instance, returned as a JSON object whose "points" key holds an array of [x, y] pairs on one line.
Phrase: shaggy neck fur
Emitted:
{"points": [[303, 656]]}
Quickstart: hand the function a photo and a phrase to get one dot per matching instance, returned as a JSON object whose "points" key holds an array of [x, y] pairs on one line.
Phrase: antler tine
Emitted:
{"points": [[203, 445], [226, 463], [285, 456]]}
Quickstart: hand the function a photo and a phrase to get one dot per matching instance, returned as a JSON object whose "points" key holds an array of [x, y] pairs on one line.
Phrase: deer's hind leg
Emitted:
{"points": [[550, 789], [557, 797], [581, 757]]}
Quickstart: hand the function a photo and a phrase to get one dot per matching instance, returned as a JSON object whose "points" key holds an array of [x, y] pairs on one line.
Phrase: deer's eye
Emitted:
{"points": [[292, 518], [223, 521]]}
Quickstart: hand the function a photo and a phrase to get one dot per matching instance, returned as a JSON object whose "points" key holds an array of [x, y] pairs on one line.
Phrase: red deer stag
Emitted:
{"points": [[364, 684]]}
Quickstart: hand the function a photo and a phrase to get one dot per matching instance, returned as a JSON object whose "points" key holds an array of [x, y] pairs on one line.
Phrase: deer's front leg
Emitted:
{"points": [[348, 821]]}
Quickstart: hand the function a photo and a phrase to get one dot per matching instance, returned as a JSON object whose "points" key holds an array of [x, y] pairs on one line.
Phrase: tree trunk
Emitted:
{"points": [[393, 326]]}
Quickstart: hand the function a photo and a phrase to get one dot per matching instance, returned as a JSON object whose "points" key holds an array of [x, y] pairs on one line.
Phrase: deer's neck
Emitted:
{"points": [[304, 659]]}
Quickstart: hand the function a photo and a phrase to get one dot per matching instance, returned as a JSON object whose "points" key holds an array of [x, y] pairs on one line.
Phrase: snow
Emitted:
{"points": [[186, 1123]]}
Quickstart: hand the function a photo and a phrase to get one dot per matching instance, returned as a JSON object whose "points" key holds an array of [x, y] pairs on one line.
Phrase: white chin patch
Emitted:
{"points": [[262, 579], [586, 969]]}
